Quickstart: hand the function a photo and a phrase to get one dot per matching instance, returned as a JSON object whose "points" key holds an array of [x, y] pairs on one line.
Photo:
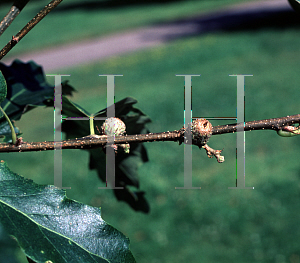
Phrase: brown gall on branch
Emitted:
{"points": [[201, 132]]}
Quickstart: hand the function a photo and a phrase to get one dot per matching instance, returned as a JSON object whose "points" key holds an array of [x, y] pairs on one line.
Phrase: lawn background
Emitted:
{"points": [[213, 224]]}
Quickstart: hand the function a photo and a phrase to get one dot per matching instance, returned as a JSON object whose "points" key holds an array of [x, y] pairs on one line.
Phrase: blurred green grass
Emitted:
{"points": [[66, 24], [213, 224]]}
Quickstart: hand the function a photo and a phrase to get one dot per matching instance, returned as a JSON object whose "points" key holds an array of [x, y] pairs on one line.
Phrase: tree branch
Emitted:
{"points": [[30, 25], [268, 124], [14, 11], [90, 142], [95, 141]]}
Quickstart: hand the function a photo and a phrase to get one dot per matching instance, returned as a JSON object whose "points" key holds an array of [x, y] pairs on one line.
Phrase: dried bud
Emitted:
{"points": [[201, 131]]}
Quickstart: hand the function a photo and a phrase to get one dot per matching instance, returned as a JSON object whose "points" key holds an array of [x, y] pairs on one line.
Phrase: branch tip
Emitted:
{"points": [[217, 153]]}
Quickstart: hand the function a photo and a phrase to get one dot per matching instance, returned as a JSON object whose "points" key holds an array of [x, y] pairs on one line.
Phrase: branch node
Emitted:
{"points": [[19, 141], [14, 40]]}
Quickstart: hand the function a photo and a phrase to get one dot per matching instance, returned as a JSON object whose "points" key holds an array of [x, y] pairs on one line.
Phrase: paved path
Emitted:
{"points": [[83, 52]]}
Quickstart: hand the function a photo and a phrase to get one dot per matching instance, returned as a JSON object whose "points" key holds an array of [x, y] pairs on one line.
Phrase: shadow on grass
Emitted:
{"points": [[111, 4], [278, 19], [243, 19]]}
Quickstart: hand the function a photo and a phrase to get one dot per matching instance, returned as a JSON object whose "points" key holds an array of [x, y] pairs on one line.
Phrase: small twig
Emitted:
{"points": [[14, 11], [29, 26], [268, 124], [211, 152]]}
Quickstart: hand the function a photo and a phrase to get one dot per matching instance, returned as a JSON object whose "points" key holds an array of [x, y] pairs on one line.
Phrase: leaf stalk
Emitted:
{"points": [[13, 133]]}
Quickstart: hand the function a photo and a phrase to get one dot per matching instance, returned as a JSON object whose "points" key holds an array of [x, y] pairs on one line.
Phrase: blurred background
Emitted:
{"points": [[212, 38]]}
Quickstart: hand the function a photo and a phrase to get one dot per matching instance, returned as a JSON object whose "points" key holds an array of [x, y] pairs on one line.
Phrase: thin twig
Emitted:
{"points": [[211, 152], [12, 14], [29, 26], [95, 141], [268, 124]]}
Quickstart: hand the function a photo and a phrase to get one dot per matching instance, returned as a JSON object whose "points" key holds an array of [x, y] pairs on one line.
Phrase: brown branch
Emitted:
{"points": [[29, 26], [14, 11], [95, 141], [268, 124], [89, 142]]}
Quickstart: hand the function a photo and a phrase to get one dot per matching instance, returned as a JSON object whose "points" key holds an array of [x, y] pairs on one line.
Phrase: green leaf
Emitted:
{"points": [[3, 87], [67, 89], [49, 226], [71, 109], [8, 248]]}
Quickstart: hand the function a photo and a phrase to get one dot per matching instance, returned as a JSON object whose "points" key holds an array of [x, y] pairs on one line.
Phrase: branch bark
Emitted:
{"points": [[95, 141], [267, 124], [14, 11], [30, 25]]}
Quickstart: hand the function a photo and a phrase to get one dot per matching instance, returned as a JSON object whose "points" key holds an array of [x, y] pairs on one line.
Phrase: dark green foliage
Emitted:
{"points": [[49, 226], [126, 164], [26, 88]]}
